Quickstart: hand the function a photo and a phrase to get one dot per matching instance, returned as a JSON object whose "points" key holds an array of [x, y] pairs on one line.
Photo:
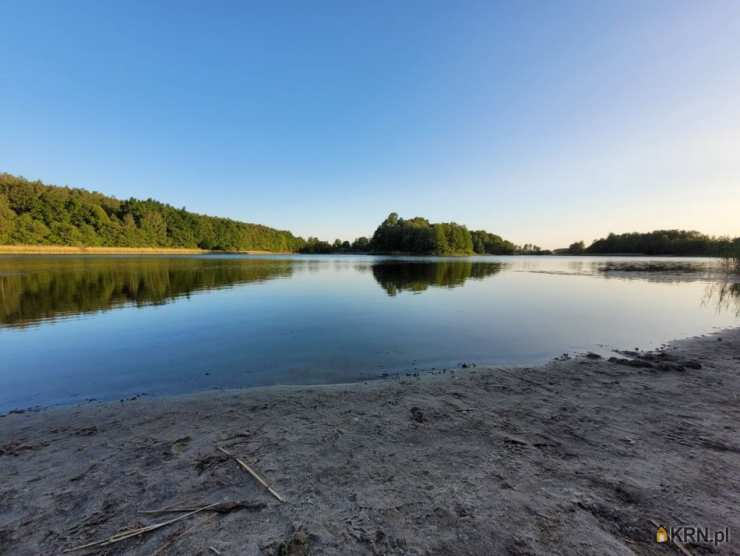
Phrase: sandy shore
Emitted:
{"points": [[575, 457]]}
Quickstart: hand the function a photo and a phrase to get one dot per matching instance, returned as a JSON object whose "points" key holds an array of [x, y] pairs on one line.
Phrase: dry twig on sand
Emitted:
{"points": [[123, 535], [221, 508], [253, 473], [166, 546]]}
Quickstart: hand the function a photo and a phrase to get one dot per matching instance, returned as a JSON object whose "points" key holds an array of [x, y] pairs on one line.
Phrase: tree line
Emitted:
{"points": [[32, 213], [659, 242]]}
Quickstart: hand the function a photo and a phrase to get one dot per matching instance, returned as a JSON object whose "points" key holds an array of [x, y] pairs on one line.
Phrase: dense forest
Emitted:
{"points": [[32, 213], [661, 242], [418, 236]]}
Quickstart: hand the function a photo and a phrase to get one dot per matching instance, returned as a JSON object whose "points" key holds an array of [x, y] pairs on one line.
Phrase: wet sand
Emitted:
{"points": [[574, 457]]}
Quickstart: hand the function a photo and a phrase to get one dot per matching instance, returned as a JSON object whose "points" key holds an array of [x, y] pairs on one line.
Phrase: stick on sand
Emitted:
{"points": [[123, 535], [253, 473]]}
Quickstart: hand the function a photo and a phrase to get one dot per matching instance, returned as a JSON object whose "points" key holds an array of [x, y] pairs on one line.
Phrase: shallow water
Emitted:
{"points": [[105, 327]]}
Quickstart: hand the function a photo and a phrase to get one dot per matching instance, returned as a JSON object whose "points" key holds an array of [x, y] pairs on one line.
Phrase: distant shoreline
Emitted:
{"points": [[78, 250]]}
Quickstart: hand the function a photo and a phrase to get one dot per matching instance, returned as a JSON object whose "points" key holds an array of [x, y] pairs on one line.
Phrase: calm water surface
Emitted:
{"points": [[102, 327]]}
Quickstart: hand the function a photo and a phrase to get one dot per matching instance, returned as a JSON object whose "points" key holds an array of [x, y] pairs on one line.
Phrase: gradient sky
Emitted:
{"points": [[546, 122]]}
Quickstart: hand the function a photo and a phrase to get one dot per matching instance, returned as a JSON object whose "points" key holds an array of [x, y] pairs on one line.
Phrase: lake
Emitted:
{"points": [[75, 328]]}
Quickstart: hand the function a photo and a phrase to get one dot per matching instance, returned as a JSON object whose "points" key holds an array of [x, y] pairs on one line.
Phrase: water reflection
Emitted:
{"points": [[333, 319], [399, 276], [33, 290]]}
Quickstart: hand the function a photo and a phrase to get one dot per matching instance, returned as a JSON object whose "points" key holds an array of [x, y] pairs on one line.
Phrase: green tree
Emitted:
{"points": [[577, 248], [29, 231], [7, 220], [361, 244], [154, 228]]}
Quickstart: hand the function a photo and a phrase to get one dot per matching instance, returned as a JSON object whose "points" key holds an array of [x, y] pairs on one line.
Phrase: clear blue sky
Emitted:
{"points": [[546, 122]]}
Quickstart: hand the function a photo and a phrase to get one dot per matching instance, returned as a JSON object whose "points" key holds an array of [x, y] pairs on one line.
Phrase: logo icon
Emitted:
{"points": [[661, 535]]}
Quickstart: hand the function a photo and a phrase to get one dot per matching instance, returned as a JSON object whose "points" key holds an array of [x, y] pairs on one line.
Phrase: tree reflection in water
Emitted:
{"points": [[400, 276], [33, 290]]}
